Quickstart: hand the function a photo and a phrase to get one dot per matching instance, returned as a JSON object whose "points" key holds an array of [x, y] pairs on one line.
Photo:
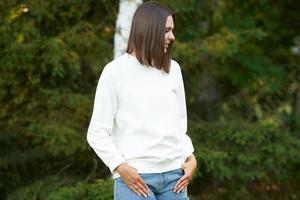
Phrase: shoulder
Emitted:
{"points": [[175, 63], [114, 67], [175, 67]]}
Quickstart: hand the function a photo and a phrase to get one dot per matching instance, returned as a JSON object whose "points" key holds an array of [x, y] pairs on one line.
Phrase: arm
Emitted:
{"points": [[190, 164], [99, 133], [188, 146], [101, 124]]}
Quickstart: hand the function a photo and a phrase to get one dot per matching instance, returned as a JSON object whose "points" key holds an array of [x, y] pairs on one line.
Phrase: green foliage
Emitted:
{"points": [[51, 56], [101, 189], [52, 190], [241, 54], [238, 157]]}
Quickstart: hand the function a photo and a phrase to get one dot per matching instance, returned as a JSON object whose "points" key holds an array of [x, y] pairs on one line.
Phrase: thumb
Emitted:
{"points": [[184, 166]]}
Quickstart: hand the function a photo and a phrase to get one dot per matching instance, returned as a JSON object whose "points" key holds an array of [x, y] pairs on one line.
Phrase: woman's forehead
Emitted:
{"points": [[170, 22]]}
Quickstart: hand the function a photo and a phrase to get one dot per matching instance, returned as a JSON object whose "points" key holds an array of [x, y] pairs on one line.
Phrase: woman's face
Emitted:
{"points": [[169, 36]]}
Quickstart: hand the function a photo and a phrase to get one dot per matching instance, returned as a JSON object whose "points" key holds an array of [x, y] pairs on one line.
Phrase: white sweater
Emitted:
{"points": [[139, 117]]}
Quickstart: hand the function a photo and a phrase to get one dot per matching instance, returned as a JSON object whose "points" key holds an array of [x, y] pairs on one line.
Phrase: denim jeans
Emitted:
{"points": [[161, 187]]}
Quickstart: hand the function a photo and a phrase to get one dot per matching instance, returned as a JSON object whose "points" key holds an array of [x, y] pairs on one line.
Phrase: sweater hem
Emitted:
{"points": [[151, 166]]}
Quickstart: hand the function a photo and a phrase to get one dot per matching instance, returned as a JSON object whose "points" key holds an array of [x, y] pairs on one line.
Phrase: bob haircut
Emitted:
{"points": [[147, 35]]}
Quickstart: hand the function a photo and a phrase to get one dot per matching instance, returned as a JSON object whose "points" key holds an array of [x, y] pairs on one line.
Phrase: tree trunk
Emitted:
{"points": [[123, 25]]}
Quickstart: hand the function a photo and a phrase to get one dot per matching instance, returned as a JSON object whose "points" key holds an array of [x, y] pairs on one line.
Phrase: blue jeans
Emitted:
{"points": [[161, 187]]}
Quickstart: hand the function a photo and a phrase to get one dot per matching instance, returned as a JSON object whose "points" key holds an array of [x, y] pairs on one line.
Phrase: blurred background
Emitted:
{"points": [[241, 68]]}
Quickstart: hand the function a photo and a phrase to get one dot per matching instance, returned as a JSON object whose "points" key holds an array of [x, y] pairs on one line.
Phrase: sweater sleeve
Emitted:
{"points": [[102, 120], [188, 146]]}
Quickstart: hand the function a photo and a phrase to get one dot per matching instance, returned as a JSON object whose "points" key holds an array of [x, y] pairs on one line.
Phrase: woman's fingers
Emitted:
{"points": [[133, 188], [142, 189], [182, 183], [139, 190], [144, 185], [133, 179], [189, 168]]}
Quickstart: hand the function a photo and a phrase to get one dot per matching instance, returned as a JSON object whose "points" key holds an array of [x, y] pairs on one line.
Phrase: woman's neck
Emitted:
{"points": [[133, 54]]}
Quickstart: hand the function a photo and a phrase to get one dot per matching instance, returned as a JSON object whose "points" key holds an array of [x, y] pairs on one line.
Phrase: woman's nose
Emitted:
{"points": [[171, 36]]}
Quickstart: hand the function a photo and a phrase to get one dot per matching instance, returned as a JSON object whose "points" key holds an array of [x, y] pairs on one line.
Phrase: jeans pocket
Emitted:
{"points": [[174, 175], [120, 181], [179, 172]]}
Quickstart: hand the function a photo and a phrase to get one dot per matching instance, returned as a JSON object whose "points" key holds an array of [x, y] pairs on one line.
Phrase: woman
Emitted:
{"points": [[139, 121]]}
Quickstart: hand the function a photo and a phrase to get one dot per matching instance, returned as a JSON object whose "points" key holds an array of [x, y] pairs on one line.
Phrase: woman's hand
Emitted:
{"points": [[133, 179], [189, 168]]}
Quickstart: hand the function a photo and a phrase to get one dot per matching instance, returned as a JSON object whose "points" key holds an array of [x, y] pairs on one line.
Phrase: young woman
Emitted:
{"points": [[139, 122]]}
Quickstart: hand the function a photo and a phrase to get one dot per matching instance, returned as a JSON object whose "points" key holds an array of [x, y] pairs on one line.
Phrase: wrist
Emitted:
{"points": [[190, 157], [120, 167]]}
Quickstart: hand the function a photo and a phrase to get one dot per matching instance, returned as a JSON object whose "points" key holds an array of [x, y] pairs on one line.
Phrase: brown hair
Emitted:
{"points": [[147, 35]]}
